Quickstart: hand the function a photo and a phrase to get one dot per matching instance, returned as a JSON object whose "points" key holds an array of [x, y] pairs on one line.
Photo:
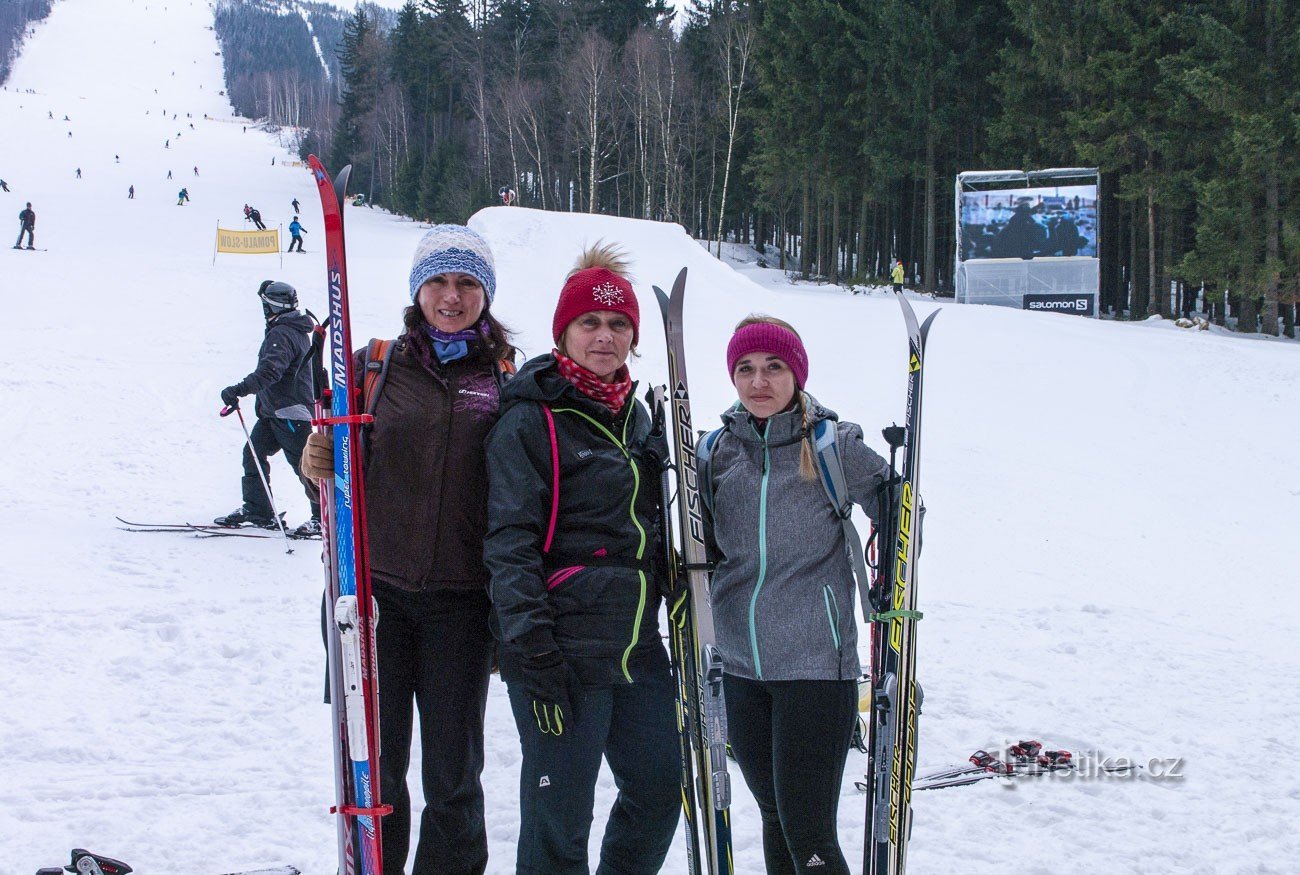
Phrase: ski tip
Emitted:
{"points": [[925, 326]]}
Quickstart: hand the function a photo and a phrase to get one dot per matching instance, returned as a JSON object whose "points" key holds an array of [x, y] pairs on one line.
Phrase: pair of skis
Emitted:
{"points": [[86, 863], [204, 530], [697, 663], [351, 615], [1024, 760], [895, 694]]}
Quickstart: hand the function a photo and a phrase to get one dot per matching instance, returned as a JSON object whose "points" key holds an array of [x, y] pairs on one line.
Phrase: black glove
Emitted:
{"points": [[552, 684], [230, 396]]}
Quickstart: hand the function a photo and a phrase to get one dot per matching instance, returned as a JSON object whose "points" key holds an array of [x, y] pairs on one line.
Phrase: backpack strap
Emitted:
{"points": [[704, 467], [378, 354], [830, 470]]}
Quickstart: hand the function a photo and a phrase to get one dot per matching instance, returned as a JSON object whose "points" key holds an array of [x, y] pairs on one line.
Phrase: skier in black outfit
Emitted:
{"points": [[296, 208], [27, 220], [282, 382], [257, 219], [4, 186]]}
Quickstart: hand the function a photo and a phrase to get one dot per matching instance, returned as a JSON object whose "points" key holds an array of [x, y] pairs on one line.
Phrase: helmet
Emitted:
{"points": [[277, 297]]}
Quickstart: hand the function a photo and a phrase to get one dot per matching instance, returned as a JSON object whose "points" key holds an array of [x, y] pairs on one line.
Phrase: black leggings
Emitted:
{"points": [[790, 739]]}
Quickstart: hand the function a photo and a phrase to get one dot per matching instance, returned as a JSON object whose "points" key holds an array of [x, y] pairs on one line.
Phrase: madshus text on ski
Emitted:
{"points": [[566, 511]]}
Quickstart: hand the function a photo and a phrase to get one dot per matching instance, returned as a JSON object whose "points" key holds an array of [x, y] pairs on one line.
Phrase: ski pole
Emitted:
{"points": [[226, 411]]}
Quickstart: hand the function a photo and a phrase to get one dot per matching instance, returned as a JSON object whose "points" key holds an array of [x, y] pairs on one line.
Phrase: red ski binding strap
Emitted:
{"points": [[355, 419], [353, 811]]}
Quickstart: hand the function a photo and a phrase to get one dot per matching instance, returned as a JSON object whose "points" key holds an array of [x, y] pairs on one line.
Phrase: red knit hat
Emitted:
{"points": [[595, 288]]}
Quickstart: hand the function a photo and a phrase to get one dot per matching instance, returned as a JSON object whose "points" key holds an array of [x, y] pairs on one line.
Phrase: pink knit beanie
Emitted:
{"points": [[772, 339]]}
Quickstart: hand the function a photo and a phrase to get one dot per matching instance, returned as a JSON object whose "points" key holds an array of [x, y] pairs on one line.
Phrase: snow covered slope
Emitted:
{"points": [[1108, 561]]}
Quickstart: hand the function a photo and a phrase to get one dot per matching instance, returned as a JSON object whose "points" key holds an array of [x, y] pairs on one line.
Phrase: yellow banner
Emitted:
{"points": [[248, 242]]}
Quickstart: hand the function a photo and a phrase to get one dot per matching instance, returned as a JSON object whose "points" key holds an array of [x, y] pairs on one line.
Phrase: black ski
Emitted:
{"points": [[208, 530], [896, 695], [696, 659]]}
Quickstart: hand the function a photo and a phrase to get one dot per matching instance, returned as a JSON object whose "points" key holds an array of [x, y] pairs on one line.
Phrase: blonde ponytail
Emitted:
{"points": [[807, 470]]}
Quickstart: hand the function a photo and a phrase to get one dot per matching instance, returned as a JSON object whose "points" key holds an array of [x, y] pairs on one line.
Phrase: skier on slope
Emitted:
{"points": [[282, 382], [572, 523], [426, 515], [296, 231], [27, 225], [257, 218], [782, 594], [182, 196], [296, 207]]}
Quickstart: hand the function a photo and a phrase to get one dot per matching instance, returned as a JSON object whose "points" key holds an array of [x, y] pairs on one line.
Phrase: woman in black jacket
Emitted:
{"points": [[426, 515], [572, 511]]}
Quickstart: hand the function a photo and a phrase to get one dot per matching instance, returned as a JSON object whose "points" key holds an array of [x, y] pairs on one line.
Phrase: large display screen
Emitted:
{"points": [[1029, 222]]}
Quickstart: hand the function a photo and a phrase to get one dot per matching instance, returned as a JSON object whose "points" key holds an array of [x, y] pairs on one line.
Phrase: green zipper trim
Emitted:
{"points": [[832, 614], [631, 511], [762, 551]]}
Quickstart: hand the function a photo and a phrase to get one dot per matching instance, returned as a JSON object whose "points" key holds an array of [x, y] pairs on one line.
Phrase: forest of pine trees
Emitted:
{"points": [[827, 134], [16, 18], [272, 68]]}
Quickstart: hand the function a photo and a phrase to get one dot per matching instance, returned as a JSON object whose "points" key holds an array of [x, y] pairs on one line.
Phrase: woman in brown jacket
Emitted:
{"points": [[426, 511]]}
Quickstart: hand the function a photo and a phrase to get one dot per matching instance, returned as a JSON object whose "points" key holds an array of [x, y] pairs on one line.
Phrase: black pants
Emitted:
{"points": [[436, 649], [295, 239], [790, 739], [30, 237], [634, 726], [269, 436]]}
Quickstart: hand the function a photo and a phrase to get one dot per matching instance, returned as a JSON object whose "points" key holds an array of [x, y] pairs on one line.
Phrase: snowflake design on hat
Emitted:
{"points": [[608, 294]]}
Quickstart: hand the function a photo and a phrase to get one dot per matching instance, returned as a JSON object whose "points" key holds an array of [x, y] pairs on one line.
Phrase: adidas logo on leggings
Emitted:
{"points": [[814, 860]]}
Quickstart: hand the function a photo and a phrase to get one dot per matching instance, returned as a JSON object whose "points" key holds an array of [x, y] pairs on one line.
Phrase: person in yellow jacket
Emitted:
{"points": [[896, 275]]}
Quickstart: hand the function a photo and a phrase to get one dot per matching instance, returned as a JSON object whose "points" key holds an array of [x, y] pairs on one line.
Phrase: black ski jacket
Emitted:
{"points": [[282, 379], [574, 569], [27, 218]]}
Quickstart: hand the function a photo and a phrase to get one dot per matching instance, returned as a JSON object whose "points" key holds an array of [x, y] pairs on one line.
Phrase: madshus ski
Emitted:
{"points": [[350, 610], [896, 695], [697, 664], [85, 863]]}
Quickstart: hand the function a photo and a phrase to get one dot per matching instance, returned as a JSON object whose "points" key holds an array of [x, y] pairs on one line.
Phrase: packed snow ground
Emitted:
{"points": [[1109, 549]]}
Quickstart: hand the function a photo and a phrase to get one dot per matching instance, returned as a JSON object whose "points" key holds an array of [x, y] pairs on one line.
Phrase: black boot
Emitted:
{"points": [[243, 517]]}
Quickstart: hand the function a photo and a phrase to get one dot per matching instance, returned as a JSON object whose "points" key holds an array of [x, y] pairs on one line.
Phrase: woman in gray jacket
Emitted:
{"points": [[783, 595]]}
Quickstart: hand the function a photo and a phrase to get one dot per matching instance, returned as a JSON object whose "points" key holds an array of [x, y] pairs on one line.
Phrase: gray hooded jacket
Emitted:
{"points": [[783, 588]]}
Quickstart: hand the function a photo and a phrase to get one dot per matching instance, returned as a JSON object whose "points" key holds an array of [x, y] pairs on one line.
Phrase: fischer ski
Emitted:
{"points": [[350, 610], [896, 695], [696, 660]]}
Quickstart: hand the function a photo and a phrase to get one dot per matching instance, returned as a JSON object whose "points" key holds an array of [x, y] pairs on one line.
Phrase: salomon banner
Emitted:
{"points": [[248, 242], [1079, 305]]}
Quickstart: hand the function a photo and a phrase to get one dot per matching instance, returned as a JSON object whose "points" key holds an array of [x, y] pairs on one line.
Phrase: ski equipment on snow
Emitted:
{"points": [[210, 531], [85, 863], [896, 695], [696, 658], [351, 612]]}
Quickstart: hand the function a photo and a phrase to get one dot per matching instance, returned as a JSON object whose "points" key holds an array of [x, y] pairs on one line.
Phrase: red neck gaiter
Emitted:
{"points": [[612, 395]]}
